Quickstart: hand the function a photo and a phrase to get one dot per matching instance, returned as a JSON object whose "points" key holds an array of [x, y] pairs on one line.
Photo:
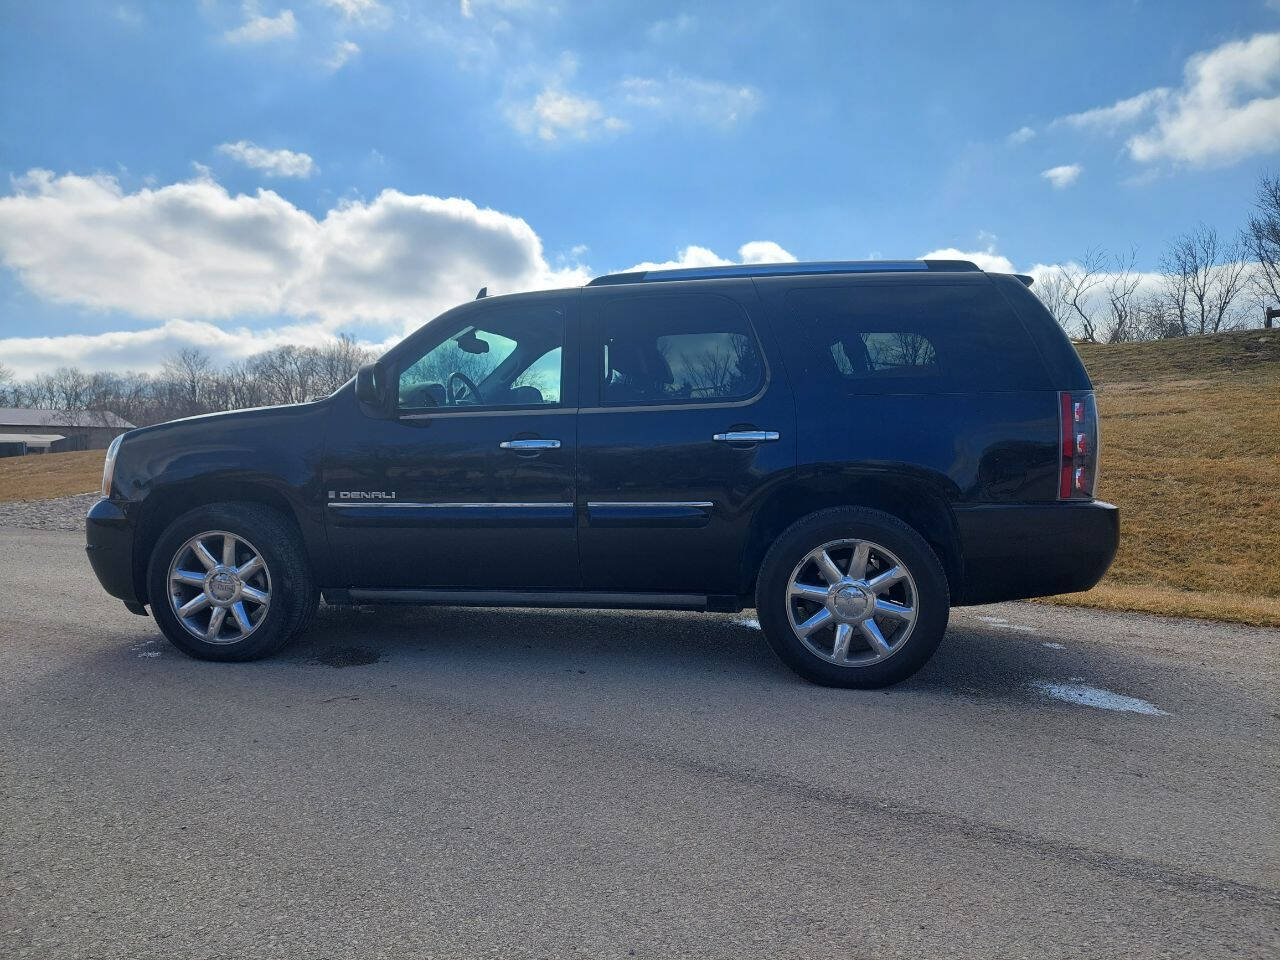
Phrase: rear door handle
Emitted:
{"points": [[530, 444], [746, 436]]}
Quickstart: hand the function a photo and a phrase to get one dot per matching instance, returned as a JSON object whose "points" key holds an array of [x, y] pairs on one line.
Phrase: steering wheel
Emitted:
{"points": [[461, 389]]}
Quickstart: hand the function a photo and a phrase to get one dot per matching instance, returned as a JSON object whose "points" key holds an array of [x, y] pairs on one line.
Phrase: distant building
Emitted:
{"points": [[84, 430], [21, 444]]}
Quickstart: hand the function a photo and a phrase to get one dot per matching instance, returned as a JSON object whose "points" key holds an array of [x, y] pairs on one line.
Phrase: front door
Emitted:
{"points": [[686, 423], [471, 483]]}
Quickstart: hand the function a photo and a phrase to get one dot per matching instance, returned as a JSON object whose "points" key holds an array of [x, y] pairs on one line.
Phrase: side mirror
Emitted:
{"points": [[371, 387]]}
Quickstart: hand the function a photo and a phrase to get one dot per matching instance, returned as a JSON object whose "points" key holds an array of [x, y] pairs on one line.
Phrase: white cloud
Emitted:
{"points": [[558, 113], [555, 113], [203, 263], [661, 30], [764, 251], [343, 52], [1063, 176], [259, 29], [192, 250], [468, 8], [755, 251], [986, 259], [1227, 108], [367, 12], [275, 163], [678, 95], [1119, 114], [1020, 136]]}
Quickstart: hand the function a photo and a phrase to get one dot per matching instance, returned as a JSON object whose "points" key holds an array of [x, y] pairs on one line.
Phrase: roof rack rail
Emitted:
{"points": [[784, 269]]}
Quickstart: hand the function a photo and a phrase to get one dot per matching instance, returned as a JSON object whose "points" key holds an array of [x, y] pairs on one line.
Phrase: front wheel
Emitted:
{"points": [[229, 581], [852, 597]]}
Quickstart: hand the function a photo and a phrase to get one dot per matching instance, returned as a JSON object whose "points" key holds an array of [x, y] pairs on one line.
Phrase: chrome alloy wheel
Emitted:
{"points": [[219, 587], [852, 602]]}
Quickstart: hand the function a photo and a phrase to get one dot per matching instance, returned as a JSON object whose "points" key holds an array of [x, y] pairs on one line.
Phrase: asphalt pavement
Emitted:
{"points": [[456, 783]]}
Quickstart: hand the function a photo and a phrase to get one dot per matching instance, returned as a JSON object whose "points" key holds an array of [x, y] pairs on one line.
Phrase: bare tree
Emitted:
{"points": [[337, 362], [1124, 311], [1051, 288], [1203, 279], [1081, 281], [1261, 238], [188, 373]]}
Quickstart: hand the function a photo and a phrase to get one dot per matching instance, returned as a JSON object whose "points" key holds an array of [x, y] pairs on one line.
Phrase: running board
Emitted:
{"points": [[586, 599]]}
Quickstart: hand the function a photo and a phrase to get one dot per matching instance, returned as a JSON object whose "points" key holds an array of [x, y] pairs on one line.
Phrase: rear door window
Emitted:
{"points": [[696, 348], [910, 338]]}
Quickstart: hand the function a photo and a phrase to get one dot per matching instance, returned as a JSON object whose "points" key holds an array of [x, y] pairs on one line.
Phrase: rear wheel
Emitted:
{"points": [[852, 597], [229, 581]]}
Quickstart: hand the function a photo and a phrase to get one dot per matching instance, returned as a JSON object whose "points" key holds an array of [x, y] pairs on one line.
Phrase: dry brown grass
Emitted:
{"points": [[1191, 455], [49, 475]]}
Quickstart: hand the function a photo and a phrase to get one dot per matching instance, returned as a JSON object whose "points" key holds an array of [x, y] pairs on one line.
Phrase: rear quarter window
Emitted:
{"points": [[910, 338]]}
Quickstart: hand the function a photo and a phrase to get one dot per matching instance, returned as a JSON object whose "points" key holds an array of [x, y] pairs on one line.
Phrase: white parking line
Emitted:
{"points": [[1085, 696], [1004, 624]]}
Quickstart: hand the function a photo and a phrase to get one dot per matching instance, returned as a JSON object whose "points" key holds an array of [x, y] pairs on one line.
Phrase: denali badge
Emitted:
{"points": [[361, 495]]}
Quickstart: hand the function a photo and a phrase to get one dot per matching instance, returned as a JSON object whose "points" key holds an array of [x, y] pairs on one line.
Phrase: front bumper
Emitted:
{"points": [[1015, 551], [109, 536]]}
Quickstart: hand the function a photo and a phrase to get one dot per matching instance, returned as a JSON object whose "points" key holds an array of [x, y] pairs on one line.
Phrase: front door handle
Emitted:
{"points": [[746, 436], [530, 444]]}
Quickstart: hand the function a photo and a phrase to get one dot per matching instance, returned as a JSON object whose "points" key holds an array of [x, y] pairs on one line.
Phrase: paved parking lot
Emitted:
{"points": [[570, 783]]}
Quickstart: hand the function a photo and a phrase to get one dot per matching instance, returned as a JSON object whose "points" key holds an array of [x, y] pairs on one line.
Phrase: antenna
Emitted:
{"points": [[484, 292]]}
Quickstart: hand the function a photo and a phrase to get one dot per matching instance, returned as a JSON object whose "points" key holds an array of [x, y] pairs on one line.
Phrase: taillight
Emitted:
{"points": [[1078, 451]]}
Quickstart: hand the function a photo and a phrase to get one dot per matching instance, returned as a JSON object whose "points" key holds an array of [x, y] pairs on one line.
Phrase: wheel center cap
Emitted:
{"points": [[223, 587], [851, 602]]}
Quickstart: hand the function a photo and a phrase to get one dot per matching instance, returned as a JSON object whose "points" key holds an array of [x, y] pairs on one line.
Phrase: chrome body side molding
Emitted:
{"points": [[649, 513], [410, 514]]}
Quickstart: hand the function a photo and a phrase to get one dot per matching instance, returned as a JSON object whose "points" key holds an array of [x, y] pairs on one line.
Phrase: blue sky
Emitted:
{"points": [[214, 173]]}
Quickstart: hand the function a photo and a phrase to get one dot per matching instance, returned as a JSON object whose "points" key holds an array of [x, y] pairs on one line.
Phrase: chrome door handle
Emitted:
{"points": [[530, 444], [746, 436]]}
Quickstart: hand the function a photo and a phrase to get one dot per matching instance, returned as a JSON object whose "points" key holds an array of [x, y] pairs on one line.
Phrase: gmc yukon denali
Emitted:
{"points": [[849, 448]]}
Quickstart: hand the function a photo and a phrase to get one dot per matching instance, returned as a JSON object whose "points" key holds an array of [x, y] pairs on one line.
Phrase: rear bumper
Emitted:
{"points": [[1014, 551], [109, 530]]}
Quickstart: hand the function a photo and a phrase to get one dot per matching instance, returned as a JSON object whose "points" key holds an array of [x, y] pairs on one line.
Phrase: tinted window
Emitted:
{"points": [[686, 349], [904, 338], [503, 358]]}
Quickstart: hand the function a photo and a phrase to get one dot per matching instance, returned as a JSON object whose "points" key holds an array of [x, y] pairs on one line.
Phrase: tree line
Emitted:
{"points": [[190, 383], [1204, 284]]}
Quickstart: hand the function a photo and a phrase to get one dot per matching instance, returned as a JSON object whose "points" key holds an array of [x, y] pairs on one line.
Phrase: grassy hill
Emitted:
{"points": [[1190, 453], [50, 475]]}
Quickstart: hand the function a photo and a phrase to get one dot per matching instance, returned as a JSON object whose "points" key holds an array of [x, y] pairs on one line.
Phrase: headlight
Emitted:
{"points": [[109, 467]]}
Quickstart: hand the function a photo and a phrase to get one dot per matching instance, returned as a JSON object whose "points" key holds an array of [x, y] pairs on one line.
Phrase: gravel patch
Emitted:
{"points": [[64, 513]]}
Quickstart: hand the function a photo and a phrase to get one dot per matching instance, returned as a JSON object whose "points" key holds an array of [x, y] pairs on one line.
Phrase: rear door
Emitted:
{"points": [[686, 422]]}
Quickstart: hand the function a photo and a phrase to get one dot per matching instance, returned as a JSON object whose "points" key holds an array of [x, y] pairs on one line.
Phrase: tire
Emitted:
{"points": [[283, 578], [842, 651], [310, 610]]}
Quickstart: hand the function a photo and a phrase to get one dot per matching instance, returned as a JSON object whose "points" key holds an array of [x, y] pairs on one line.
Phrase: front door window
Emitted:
{"points": [[509, 358]]}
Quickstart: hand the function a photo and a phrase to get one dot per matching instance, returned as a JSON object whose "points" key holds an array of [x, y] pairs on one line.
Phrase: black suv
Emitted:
{"points": [[850, 448]]}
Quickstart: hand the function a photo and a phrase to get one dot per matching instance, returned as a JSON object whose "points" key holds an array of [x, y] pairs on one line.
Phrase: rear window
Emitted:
{"points": [[911, 338]]}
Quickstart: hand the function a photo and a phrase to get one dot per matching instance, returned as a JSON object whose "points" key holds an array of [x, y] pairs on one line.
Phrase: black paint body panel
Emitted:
{"points": [[637, 502]]}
